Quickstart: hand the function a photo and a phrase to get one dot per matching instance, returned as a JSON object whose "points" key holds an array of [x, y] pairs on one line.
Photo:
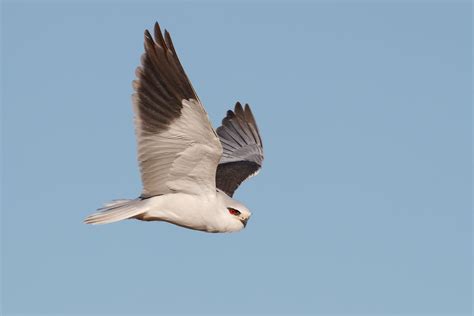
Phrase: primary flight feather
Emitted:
{"points": [[189, 170]]}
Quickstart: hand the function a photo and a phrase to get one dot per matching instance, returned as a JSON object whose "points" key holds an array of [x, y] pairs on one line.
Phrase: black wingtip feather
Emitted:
{"points": [[239, 111], [168, 41], [148, 36], [159, 37], [249, 115], [229, 115]]}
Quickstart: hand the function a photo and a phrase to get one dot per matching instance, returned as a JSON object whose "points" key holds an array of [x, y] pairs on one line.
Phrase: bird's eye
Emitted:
{"points": [[233, 211]]}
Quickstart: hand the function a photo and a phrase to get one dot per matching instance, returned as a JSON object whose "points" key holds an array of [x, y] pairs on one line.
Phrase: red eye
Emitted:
{"points": [[233, 211]]}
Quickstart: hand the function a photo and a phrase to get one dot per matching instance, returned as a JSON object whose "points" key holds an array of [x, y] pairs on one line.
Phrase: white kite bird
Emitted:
{"points": [[189, 171]]}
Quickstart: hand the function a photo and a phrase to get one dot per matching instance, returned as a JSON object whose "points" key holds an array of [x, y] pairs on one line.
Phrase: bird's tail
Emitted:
{"points": [[115, 211]]}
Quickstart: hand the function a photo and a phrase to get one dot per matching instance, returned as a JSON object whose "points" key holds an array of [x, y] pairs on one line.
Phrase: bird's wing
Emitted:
{"points": [[242, 149], [178, 150]]}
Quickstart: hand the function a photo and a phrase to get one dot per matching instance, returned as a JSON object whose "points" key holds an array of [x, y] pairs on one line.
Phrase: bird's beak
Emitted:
{"points": [[244, 221]]}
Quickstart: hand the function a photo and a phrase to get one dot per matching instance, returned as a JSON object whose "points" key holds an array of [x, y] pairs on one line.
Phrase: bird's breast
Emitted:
{"points": [[191, 211]]}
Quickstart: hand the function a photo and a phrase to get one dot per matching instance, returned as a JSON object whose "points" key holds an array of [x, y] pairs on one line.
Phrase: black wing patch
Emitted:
{"points": [[230, 175], [242, 146], [161, 83]]}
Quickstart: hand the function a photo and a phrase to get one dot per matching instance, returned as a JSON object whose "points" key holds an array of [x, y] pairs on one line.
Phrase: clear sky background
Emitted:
{"points": [[364, 202]]}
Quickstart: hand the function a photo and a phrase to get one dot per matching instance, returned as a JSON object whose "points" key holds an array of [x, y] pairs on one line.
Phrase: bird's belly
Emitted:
{"points": [[190, 211]]}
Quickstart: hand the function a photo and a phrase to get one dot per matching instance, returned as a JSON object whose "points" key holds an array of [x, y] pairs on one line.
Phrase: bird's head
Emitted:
{"points": [[236, 213], [240, 214]]}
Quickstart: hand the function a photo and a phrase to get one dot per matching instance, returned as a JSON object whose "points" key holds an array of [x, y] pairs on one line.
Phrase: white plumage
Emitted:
{"points": [[187, 180]]}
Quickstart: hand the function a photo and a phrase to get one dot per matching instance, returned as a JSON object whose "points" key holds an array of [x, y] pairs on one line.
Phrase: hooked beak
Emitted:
{"points": [[244, 221]]}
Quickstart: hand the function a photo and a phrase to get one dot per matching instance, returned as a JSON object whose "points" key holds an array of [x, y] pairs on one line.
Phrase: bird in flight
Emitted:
{"points": [[189, 170]]}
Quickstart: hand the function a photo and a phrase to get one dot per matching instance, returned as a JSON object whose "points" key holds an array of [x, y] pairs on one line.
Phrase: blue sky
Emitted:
{"points": [[364, 202]]}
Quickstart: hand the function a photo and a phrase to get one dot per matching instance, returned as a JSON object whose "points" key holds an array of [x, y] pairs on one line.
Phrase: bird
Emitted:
{"points": [[189, 170]]}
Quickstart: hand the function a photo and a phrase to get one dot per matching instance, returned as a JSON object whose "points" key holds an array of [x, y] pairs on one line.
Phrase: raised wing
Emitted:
{"points": [[242, 149], [178, 150]]}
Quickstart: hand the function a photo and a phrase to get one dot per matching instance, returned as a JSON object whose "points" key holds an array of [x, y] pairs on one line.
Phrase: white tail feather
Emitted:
{"points": [[116, 210]]}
